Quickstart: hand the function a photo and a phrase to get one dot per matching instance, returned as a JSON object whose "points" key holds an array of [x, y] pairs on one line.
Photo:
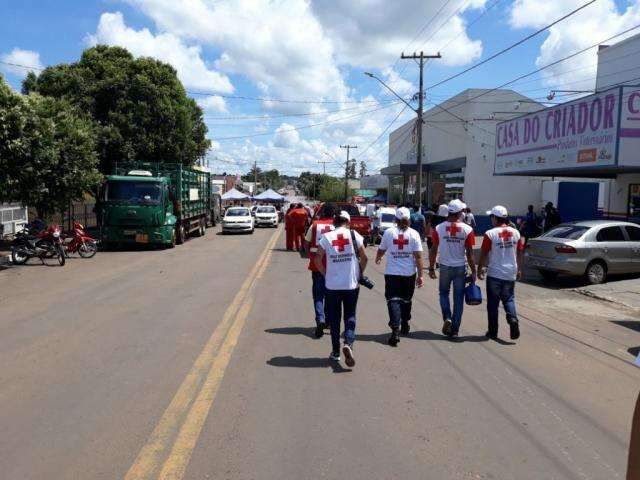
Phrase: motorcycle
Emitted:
{"points": [[33, 242], [81, 242]]}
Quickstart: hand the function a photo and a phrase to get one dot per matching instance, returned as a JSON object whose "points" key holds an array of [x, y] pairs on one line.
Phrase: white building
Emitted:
{"points": [[459, 152]]}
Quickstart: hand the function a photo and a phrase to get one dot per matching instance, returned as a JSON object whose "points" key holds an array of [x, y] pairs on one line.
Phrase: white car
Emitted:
{"points": [[384, 218], [238, 219], [266, 216]]}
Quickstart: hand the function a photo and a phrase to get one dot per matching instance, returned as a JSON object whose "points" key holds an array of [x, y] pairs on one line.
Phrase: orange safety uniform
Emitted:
{"points": [[299, 220], [288, 227]]}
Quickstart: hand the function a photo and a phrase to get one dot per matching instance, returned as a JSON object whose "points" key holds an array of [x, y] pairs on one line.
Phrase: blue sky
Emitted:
{"points": [[305, 51]]}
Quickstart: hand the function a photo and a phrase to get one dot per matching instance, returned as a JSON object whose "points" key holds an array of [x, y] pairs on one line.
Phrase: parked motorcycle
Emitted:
{"points": [[81, 242], [33, 242]]}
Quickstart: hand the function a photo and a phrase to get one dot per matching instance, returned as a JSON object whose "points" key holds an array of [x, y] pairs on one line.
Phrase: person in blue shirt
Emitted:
{"points": [[418, 222]]}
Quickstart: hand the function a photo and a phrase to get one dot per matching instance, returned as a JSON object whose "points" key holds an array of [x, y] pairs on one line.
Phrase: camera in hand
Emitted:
{"points": [[365, 282]]}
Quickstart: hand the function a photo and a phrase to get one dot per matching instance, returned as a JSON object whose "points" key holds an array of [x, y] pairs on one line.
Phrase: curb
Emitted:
{"points": [[604, 298]]}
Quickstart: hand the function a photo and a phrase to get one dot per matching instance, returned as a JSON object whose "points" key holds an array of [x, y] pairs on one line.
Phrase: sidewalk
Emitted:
{"points": [[622, 292]]}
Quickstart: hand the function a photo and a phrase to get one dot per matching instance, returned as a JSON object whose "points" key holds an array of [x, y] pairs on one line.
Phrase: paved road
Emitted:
{"points": [[200, 363]]}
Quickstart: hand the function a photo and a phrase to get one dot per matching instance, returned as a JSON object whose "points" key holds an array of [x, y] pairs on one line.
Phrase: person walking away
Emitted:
{"points": [[346, 261], [319, 227], [288, 227], [470, 219], [299, 219], [502, 251], [418, 222], [453, 242], [551, 217], [403, 272], [633, 465], [530, 225]]}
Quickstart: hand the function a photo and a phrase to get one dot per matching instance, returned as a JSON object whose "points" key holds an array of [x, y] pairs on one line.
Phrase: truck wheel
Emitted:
{"points": [[180, 234], [203, 227], [172, 243]]}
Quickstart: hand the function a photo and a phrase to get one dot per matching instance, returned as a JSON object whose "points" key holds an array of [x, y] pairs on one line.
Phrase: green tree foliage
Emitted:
{"points": [[140, 108], [47, 152], [363, 169], [321, 187], [267, 178], [332, 190]]}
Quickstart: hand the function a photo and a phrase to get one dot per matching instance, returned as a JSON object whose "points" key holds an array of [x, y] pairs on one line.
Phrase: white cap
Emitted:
{"points": [[345, 215], [403, 213], [443, 210], [456, 206], [498, 211]]}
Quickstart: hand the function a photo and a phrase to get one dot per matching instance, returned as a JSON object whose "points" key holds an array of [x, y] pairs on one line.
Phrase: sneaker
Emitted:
{"points": [[348, 356], [492, 336], [394, 339], [454, 337], [514, 330], [319, 330], [335, 356], [446, 327], [405, 328], [325, 326]]}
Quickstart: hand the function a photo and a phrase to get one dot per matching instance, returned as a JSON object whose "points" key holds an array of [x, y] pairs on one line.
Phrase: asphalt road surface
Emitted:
{"points": [[200, 363]]}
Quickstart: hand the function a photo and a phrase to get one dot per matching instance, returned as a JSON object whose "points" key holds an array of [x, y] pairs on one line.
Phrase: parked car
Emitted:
{"points": [[238, 219], [593, 249], [266, 216], [383, 219]]}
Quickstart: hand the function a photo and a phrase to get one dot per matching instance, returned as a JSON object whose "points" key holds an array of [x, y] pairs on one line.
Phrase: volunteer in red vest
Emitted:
{"points": [[319, 227], [346, 261], [299, 219], [288, 227], [453, 242], [403, 271], [502, 250]]}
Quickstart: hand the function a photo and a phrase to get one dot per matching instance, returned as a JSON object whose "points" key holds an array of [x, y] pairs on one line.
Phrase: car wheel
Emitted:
{"points": [[596, 272], [548, 275]]}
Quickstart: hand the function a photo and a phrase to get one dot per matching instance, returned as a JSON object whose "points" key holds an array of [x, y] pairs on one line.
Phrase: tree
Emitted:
{"points": [[332, 190], [47, 152], [363, 169], [140, 108], [352, 169]]}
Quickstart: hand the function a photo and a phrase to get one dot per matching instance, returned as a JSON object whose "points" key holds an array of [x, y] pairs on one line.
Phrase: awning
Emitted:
{"points": [[269, 196], [412, 169], [234, 194]]}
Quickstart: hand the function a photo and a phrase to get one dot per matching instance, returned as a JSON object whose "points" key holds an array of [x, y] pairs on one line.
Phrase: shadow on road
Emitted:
{"points": [[631, 324], [635, 351], [313, 362], [427, 335], [307, 332]]}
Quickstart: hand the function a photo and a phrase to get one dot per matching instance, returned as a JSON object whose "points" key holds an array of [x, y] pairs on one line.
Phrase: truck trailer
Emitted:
{"points": [[154, 203]]}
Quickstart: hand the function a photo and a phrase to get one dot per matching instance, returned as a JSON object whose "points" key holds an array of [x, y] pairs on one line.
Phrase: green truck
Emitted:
{"points": [[154, 203]]}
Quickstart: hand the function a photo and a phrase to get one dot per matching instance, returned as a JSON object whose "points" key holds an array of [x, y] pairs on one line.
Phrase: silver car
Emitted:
{"points": [[593, 249]]}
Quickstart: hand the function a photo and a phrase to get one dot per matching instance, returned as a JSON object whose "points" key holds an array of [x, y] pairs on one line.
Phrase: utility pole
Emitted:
{"points": [[324, 166], [421, 57], [255, 177], [346, 170]]}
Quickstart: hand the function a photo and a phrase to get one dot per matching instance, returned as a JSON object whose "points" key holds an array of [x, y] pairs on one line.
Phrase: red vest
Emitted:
{"points": [[313, 245]]}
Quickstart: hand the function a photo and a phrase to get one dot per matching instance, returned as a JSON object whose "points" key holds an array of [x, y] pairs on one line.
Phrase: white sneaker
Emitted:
{"points": [[348, 356], [334, 357]]}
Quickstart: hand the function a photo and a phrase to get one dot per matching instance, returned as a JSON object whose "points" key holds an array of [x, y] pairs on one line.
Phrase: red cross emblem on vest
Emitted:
{"points": [[325, 229], [401, 241], [340, 242], [453, 229], [505, 235]]}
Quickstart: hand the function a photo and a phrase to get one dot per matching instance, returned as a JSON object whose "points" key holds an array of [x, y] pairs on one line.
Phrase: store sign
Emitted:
{"points": [[578, 134]]}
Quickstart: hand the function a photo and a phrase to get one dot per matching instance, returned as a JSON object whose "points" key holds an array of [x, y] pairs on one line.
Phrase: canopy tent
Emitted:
{"points": [[269, 196], [234, 194]]}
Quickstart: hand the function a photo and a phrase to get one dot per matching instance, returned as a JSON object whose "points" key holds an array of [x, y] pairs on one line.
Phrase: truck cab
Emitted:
{"points": [[138, 208]]}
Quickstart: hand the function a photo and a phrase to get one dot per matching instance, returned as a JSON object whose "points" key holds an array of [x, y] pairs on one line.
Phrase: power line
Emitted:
{"points": [[512, 46], [384, 131], [281, 100], [305, 126], [284, 115]]}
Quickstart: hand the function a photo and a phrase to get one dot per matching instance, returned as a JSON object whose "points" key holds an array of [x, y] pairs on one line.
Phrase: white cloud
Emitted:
{"points": [[167, 47], [285, 136], [213, 103], [596, 22], [26, 58]]}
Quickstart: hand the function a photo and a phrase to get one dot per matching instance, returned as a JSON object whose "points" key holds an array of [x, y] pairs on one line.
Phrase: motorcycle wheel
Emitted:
{"points": [[17, 258], [61, 256], [88, 249]]}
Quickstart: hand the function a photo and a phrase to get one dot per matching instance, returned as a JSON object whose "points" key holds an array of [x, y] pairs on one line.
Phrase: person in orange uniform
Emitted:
{"points": [[299, 219], [288, 227], [318, 228]]}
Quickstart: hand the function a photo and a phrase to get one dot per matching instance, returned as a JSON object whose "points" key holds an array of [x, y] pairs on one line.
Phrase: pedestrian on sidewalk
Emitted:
{"points": [[322, 225], [453, 242], [502, 250], [346, 260], [403, 272]]}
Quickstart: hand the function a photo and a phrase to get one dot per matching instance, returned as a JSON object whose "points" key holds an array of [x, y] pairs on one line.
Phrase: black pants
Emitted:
{"points": [[398, 290]]}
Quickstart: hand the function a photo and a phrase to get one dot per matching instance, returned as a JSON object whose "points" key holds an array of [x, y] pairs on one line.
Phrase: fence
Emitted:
{"points": [[83, 212]]}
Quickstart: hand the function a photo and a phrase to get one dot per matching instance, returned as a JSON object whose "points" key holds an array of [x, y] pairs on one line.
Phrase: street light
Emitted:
{"points": [[368, 74]]}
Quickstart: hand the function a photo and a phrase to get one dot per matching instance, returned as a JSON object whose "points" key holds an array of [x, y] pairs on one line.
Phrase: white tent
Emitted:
{"points": [[234, 194]]}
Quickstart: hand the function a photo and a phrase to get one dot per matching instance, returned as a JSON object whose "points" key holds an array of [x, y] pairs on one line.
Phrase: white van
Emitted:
{"points": [[384, 218]]}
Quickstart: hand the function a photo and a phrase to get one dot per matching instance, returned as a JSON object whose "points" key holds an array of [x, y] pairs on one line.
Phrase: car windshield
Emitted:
{"points": [[238, 212], [387, 218], [266, 210], [570, 232], [352, 210], [134, 192]]}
